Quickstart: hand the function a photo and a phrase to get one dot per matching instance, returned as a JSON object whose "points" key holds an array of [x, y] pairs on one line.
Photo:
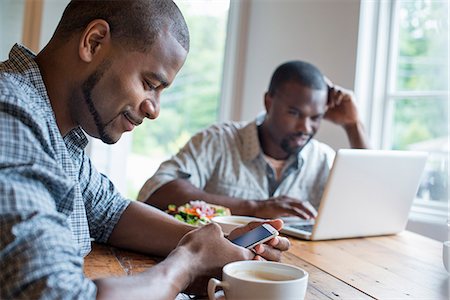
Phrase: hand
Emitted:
{"points": [[272, 249], [341, 106], [207, 252], [283, 206]]}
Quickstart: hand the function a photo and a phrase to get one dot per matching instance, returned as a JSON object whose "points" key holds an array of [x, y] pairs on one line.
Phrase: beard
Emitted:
{"points": [[286, 145], [87, 87]]}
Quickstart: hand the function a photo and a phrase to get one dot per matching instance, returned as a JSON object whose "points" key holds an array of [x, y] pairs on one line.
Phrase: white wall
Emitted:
{"points": [[51, 14], [323, 32]]}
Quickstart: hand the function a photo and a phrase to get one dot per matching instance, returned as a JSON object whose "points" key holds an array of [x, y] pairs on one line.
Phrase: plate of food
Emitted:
{"points": [[197, 212]]}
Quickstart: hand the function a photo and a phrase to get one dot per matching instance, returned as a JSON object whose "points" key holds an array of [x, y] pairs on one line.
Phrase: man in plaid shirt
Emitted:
{"points": [[101, 73]]}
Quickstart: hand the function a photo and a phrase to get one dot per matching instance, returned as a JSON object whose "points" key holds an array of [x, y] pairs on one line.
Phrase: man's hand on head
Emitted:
{"points": [[341, 105]]}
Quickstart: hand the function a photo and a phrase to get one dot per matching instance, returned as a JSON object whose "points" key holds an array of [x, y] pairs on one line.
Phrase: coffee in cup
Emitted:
{"points": [[247, 280]]}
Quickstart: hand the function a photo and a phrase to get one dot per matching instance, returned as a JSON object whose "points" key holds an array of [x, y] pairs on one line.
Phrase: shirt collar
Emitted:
{"points": [[23, 61], [252, 147], [77, 138]]}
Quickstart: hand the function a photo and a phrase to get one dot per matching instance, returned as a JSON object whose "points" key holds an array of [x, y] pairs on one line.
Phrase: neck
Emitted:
{"points": [[57, 82], [268, 145]]}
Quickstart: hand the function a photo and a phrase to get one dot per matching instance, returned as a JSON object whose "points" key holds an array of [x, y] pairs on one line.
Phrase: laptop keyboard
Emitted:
{"points": [[306, 227]]}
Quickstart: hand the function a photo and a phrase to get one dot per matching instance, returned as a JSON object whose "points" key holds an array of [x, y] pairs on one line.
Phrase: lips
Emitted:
{"points": [[303, 137], [130, 122], [133, 120]]}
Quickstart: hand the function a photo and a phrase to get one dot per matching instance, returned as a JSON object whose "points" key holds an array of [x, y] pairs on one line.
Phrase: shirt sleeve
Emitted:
{"points": [[195, 162], [38, 257], [104, 204]]}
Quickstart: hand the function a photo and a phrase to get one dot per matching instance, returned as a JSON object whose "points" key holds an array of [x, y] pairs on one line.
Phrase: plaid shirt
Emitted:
{"points": [[52, 200]]}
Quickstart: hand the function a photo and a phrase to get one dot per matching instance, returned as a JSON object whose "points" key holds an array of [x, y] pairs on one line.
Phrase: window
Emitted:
{"points": [[11, 25], [409, 107], [192, 102]]}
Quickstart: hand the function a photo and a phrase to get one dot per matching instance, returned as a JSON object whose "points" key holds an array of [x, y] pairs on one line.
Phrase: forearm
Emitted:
{"points": [[162, 281], [180, 191], [356, 135], [146, 229]]}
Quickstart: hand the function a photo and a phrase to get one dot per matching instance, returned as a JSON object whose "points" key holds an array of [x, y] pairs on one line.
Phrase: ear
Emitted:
{"points": [[267, 101], [94, 38]]}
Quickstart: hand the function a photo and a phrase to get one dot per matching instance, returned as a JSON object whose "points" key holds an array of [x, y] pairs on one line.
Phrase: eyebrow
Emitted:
{"points": [[300, 112], [159, 77]]}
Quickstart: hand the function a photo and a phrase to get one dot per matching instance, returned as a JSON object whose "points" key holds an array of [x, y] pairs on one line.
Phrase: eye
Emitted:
{"points": [[293, 112], [149, 85], [316, 118]]}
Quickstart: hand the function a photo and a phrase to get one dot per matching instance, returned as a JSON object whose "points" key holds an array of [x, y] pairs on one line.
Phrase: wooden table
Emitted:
{"points": [[403, 266]]}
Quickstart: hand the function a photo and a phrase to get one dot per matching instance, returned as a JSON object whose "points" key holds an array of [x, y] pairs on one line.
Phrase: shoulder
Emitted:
{"points": [[12, 89], [17, 93], [20, 109], [219, 132], [318, 151]]}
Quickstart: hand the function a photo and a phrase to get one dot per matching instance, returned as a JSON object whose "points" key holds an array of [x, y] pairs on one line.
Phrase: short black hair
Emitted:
{"points": [[301, 72], [135, 23]]}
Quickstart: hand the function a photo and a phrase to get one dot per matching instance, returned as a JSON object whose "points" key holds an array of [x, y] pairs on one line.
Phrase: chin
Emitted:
{"points": [[108, 139], [296, 149]]}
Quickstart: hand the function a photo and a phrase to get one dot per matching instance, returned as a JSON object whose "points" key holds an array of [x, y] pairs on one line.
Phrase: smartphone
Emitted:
{"points": [[256, 236]]}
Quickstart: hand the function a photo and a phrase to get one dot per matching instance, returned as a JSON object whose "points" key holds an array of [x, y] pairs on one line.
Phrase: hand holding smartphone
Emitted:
{"points": [[256, 236]]}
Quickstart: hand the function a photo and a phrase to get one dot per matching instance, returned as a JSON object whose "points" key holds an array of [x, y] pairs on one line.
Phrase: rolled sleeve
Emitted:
{"points": [[195, 162], [41, 261], [39, 254], [104, 204]]}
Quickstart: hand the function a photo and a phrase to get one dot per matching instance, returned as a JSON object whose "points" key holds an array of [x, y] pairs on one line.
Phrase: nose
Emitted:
{"points": [[304, 125], [150, 108]]}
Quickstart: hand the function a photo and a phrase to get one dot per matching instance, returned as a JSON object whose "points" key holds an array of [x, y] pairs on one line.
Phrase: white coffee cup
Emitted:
{"points": [[446, 255], [262, 280], [229, 223]]}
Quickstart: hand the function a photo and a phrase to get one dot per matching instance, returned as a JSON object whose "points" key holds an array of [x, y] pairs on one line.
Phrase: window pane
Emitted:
{"points": [[192, 102], [422, 61], [11, 24], [422, 124]]}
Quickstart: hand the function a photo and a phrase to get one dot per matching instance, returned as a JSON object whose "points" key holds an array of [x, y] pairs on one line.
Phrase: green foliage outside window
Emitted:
{"points": [[423, 46], [420, 117], [422, 66], [192, 103]]}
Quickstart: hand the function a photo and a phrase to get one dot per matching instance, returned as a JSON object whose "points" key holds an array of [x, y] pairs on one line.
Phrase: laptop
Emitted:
{"points": [[368, 193]]}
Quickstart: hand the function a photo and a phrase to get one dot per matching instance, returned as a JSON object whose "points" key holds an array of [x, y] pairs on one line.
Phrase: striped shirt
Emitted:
{"points": [[52, 199]]}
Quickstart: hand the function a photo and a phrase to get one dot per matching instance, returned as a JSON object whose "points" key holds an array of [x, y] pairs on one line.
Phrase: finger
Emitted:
{"points": [[302, 213], [340, 99], [257, 257], [280, 243], [269, 253], [276, 223], [328, 81], [284, 244], [246, 253], [293, 211], [305, 207], [331, 97]]}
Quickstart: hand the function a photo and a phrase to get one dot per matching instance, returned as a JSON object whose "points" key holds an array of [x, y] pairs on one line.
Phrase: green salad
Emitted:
{"points": [[197, 212]]}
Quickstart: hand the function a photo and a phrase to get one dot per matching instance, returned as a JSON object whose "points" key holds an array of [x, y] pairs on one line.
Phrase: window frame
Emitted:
{"points": [[104, 156], [376, 60]]}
